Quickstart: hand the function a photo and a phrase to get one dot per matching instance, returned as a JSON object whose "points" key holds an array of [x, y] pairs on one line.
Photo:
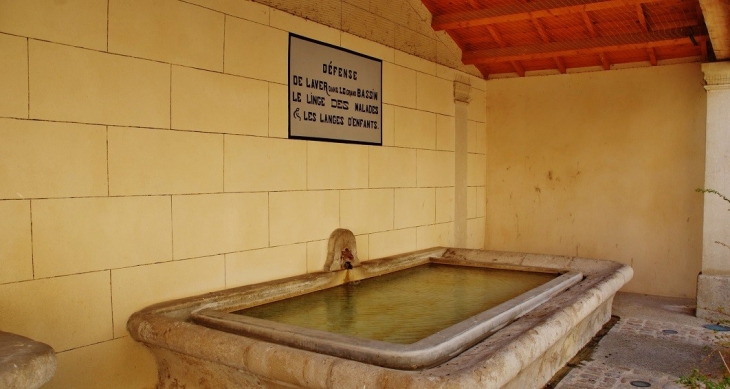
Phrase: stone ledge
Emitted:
{"points": [[25, 363]]}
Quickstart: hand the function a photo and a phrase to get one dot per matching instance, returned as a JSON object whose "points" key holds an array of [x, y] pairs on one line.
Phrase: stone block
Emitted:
{"points": [[382, 172], [15, 241], [249, 10], [222, 103], [279, 111], [264, 164], [89, 234], [393, 242], [288, 22], [72, 22], [368, 47], [13, 75], [168, 31], [219, 223], [297, 217], [445, 133], [414, 207], [36, 310], [116, 364], [435, 168], [134, 288], [434, 94], [366, 211], [435, 235], [255, 266], [336, 166], [399, 85], [256, 51], [77, 85], [149, 162], [46, 159], [415, 129], [713, 297], [445, 204]]}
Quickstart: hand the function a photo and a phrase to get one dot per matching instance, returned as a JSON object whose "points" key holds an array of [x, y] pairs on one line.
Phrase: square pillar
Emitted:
{"points": [[713, 284]]}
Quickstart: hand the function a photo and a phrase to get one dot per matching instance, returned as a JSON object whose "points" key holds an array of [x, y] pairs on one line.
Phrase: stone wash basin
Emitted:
{"points": [[522, 343]]}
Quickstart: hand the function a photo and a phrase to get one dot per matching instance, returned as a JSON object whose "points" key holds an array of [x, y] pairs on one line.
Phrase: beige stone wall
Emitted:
{"points": [[601, 165], [143, 157]]}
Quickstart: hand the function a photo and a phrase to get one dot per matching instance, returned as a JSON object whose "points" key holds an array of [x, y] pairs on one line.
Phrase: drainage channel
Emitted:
{"points": [[585, 354]]}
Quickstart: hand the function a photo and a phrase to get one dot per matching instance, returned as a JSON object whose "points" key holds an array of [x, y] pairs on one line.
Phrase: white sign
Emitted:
{"points": [[334, 94]]}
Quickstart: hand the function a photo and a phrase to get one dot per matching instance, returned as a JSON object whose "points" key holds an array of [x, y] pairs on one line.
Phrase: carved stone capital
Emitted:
{"points": [[462, 89], [717, 75]]}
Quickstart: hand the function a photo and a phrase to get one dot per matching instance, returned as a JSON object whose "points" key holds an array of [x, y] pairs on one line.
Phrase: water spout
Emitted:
{"points": [[341, 251]]}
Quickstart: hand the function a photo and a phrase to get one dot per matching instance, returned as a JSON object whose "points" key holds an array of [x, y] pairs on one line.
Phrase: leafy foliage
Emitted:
{"points": [[696, 379]]}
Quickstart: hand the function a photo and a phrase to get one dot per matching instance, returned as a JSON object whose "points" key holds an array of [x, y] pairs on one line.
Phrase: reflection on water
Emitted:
{"points": [[402, 307]]}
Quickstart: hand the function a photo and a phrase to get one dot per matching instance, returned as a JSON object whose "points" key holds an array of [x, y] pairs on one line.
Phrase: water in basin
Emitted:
{"points": [[402, 307]]}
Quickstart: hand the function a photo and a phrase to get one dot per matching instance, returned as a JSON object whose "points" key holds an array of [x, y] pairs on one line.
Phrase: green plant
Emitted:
{"points": [[696, 379]]}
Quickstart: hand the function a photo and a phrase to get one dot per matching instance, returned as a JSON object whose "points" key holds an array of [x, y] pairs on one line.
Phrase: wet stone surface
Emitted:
{"points": [[637, 349]]}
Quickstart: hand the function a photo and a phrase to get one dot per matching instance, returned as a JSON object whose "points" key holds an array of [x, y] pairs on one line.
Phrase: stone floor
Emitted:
{"points": [[655, 340]]}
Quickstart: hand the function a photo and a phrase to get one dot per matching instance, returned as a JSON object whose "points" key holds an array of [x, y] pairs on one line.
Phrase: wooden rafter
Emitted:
{"points": [[592, 32], [525, 11], [589, 24], [597, 45], [645, 27], [604, 61], [519, 69], [545, 38]]}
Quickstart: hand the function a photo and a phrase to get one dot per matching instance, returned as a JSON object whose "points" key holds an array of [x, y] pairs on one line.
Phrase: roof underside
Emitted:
{"points": [[515, 36]]}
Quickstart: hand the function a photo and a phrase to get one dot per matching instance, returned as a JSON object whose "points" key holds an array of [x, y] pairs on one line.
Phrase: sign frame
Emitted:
{"points": [[289, 94]]}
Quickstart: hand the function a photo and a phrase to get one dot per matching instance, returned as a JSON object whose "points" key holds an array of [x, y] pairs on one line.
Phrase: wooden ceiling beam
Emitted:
{"points": [[605, 63], [589, 24], [590, 46], [525, 11], [519, 69], [641, 15], [559, 63], [652, 56]]}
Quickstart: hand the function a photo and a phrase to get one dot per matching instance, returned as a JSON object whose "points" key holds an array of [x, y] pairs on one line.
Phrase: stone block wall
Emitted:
{"points": [[144, 157]]}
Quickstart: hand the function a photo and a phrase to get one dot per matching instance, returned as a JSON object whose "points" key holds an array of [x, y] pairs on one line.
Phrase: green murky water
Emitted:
{"points": [[402, 307]]}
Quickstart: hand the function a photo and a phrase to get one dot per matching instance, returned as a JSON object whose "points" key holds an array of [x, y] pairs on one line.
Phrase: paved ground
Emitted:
{"points": [[655, 340]]}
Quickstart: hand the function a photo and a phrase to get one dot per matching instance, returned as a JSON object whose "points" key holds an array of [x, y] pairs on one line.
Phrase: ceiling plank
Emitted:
{"points": [[595, 45], [525, 11]]}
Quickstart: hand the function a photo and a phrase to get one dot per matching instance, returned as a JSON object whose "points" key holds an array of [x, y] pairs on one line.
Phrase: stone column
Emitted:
{"points": [[462, 88], [713, 284]]}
